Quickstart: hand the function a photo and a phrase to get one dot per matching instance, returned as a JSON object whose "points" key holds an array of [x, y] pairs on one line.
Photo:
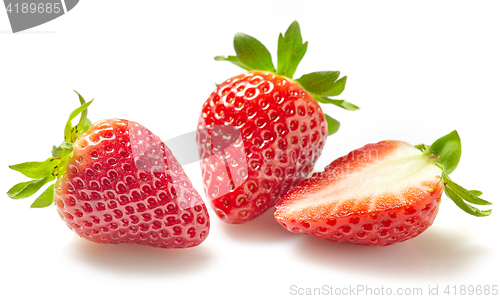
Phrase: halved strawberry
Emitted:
{"points": [[260, 133], [117, 183], [380, 194]]}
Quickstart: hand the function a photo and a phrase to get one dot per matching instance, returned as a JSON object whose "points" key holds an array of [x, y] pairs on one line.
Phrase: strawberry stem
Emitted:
{"points": [[446, 152], [460, 195], [54, 167], [253, 55]]}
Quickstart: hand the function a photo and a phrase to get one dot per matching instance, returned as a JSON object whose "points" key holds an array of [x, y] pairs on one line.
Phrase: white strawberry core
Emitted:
{"points": [[398, 178]]}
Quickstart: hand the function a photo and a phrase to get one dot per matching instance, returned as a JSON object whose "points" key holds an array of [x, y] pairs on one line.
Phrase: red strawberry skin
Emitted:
{"points": [[275, 132], [123, 185], [379, 219]]}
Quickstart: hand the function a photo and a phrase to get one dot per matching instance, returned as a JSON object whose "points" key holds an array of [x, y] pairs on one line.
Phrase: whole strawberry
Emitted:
{"points": [[117, 183], [260, 133], [378, 195]]}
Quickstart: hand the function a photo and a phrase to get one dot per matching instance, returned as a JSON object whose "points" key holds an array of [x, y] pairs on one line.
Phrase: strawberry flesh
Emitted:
{"points": [[377, 195]]}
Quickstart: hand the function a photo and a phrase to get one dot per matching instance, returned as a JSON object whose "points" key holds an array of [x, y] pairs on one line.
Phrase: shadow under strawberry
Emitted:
{"points": [[123, 260], [439, 253], [263, 229]]}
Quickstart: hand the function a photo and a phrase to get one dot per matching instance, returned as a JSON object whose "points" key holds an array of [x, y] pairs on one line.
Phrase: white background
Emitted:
{"points": [[418, 70]]}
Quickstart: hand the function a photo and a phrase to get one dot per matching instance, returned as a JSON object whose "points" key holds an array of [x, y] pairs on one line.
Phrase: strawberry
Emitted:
{"points": [[378, 195], [261, 132], [117, 183]]}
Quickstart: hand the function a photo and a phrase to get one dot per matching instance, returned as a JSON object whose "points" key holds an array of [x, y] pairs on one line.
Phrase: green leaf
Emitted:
{"points": [[319, 82], [252, 53], [463, 205], [45, 199], [26, 189], [234, 60], [69, 134], [340, 103], [323, 83], [476, 192], [338, 87], [18, 188], [36, 170], [83, 124], [464, 193], [86, 126], [333, 124], [321, 99], [449, 150], [291, 50], [62, 150], [82, 102], [345, 104]]}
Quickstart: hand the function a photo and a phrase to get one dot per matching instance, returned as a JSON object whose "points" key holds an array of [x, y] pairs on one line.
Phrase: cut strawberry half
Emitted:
{"points": [[378, 195]]}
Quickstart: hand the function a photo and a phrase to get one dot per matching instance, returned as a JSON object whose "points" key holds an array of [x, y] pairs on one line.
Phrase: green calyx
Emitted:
{"points": [[253, 55], [446, 152], [55, 166]]}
